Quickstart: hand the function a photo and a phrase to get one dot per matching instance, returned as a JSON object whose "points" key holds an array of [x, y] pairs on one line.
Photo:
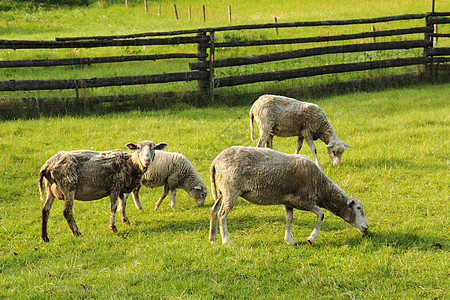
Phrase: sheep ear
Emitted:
{"points": [[330, 145], [131, 146], [350, 203], [198, 188], [161, 146], [347, 145]]}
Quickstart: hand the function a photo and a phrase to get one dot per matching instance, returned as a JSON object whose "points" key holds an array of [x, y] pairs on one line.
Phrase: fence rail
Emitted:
{"points": [[256, 59], [321, 70], [343, 37], [64, 84], [24, 44], [205, 64], [90, 60]]}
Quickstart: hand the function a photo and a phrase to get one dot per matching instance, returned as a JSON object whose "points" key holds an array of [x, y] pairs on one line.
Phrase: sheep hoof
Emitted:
{"points": [[126, 222], [45, 239], [113, 228], [309, 242], [290, 242]]}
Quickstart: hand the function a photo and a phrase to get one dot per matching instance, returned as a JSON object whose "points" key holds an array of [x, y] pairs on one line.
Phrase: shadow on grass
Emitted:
{"points": [[402, 164], [13, 108], [241, 223], [396, 240], [260, 226]]}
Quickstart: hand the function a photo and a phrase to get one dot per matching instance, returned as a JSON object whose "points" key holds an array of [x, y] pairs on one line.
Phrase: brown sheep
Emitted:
{"points": [[90, 175]]}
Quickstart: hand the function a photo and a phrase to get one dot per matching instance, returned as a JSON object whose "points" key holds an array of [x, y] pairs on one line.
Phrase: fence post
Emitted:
{"points": [[204, 13], [275, 20], [175, 11], [203, 84], [211, 65], [429, 67], [373, 30]]}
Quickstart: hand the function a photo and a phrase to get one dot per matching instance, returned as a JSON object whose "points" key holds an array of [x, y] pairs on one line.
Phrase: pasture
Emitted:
{"points": [[398, 168]]}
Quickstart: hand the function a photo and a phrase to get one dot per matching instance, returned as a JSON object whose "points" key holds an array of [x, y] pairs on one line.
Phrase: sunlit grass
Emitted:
{"points": [[398, 168]]}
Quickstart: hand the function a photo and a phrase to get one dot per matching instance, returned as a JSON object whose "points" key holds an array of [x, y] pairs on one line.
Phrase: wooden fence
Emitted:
{"points": [[205, 64]]}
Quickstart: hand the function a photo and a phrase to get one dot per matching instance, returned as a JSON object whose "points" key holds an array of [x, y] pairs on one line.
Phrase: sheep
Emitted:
{"points": [[90, 175], [172, 170], [267, 177], [285, 117]]}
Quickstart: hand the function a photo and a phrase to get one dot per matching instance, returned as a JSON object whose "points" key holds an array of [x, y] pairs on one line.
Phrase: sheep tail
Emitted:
{"points": [[41, 177], [252, 135], [213, 181]]}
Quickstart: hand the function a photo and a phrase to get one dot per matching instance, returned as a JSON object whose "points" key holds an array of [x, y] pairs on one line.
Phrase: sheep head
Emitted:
{"points": [[199, 193], [354, 215], [335, 150], [146, 151]]}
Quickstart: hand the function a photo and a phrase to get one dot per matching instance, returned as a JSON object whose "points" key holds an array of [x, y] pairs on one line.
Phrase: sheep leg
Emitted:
{"points": [[227, 204], [173, 193], [46, 212], [68, 211], [223, 215], [270, 142], [313, 150], [120, 205], [214, 220], [320, 216], [289, 216], [112, 224], [299, 145], [137, 200], [264, 136], [123, 207], [164, 194]]}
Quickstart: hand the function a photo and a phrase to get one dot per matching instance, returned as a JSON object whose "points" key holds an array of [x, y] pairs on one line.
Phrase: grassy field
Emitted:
{"points": [[398, 168], [40, 23]]}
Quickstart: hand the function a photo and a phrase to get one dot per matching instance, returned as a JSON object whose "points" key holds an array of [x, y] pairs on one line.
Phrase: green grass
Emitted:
{"points": [[398, 168]]}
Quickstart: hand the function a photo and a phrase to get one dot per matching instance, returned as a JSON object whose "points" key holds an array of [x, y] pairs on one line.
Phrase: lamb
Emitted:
{"points": [[285, 117], [267, 177], [90, 175], [172, 170]]}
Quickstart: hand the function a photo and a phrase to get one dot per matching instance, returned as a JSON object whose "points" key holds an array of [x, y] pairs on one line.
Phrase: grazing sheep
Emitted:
{"points": [[173, 171], [267, 177], [285, 117], [90, 175]]}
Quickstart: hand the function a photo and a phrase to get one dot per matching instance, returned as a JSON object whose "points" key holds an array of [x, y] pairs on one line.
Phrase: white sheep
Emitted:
{"points": [[90, 175], [285, 117], [173, 171], [267, 177]]}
